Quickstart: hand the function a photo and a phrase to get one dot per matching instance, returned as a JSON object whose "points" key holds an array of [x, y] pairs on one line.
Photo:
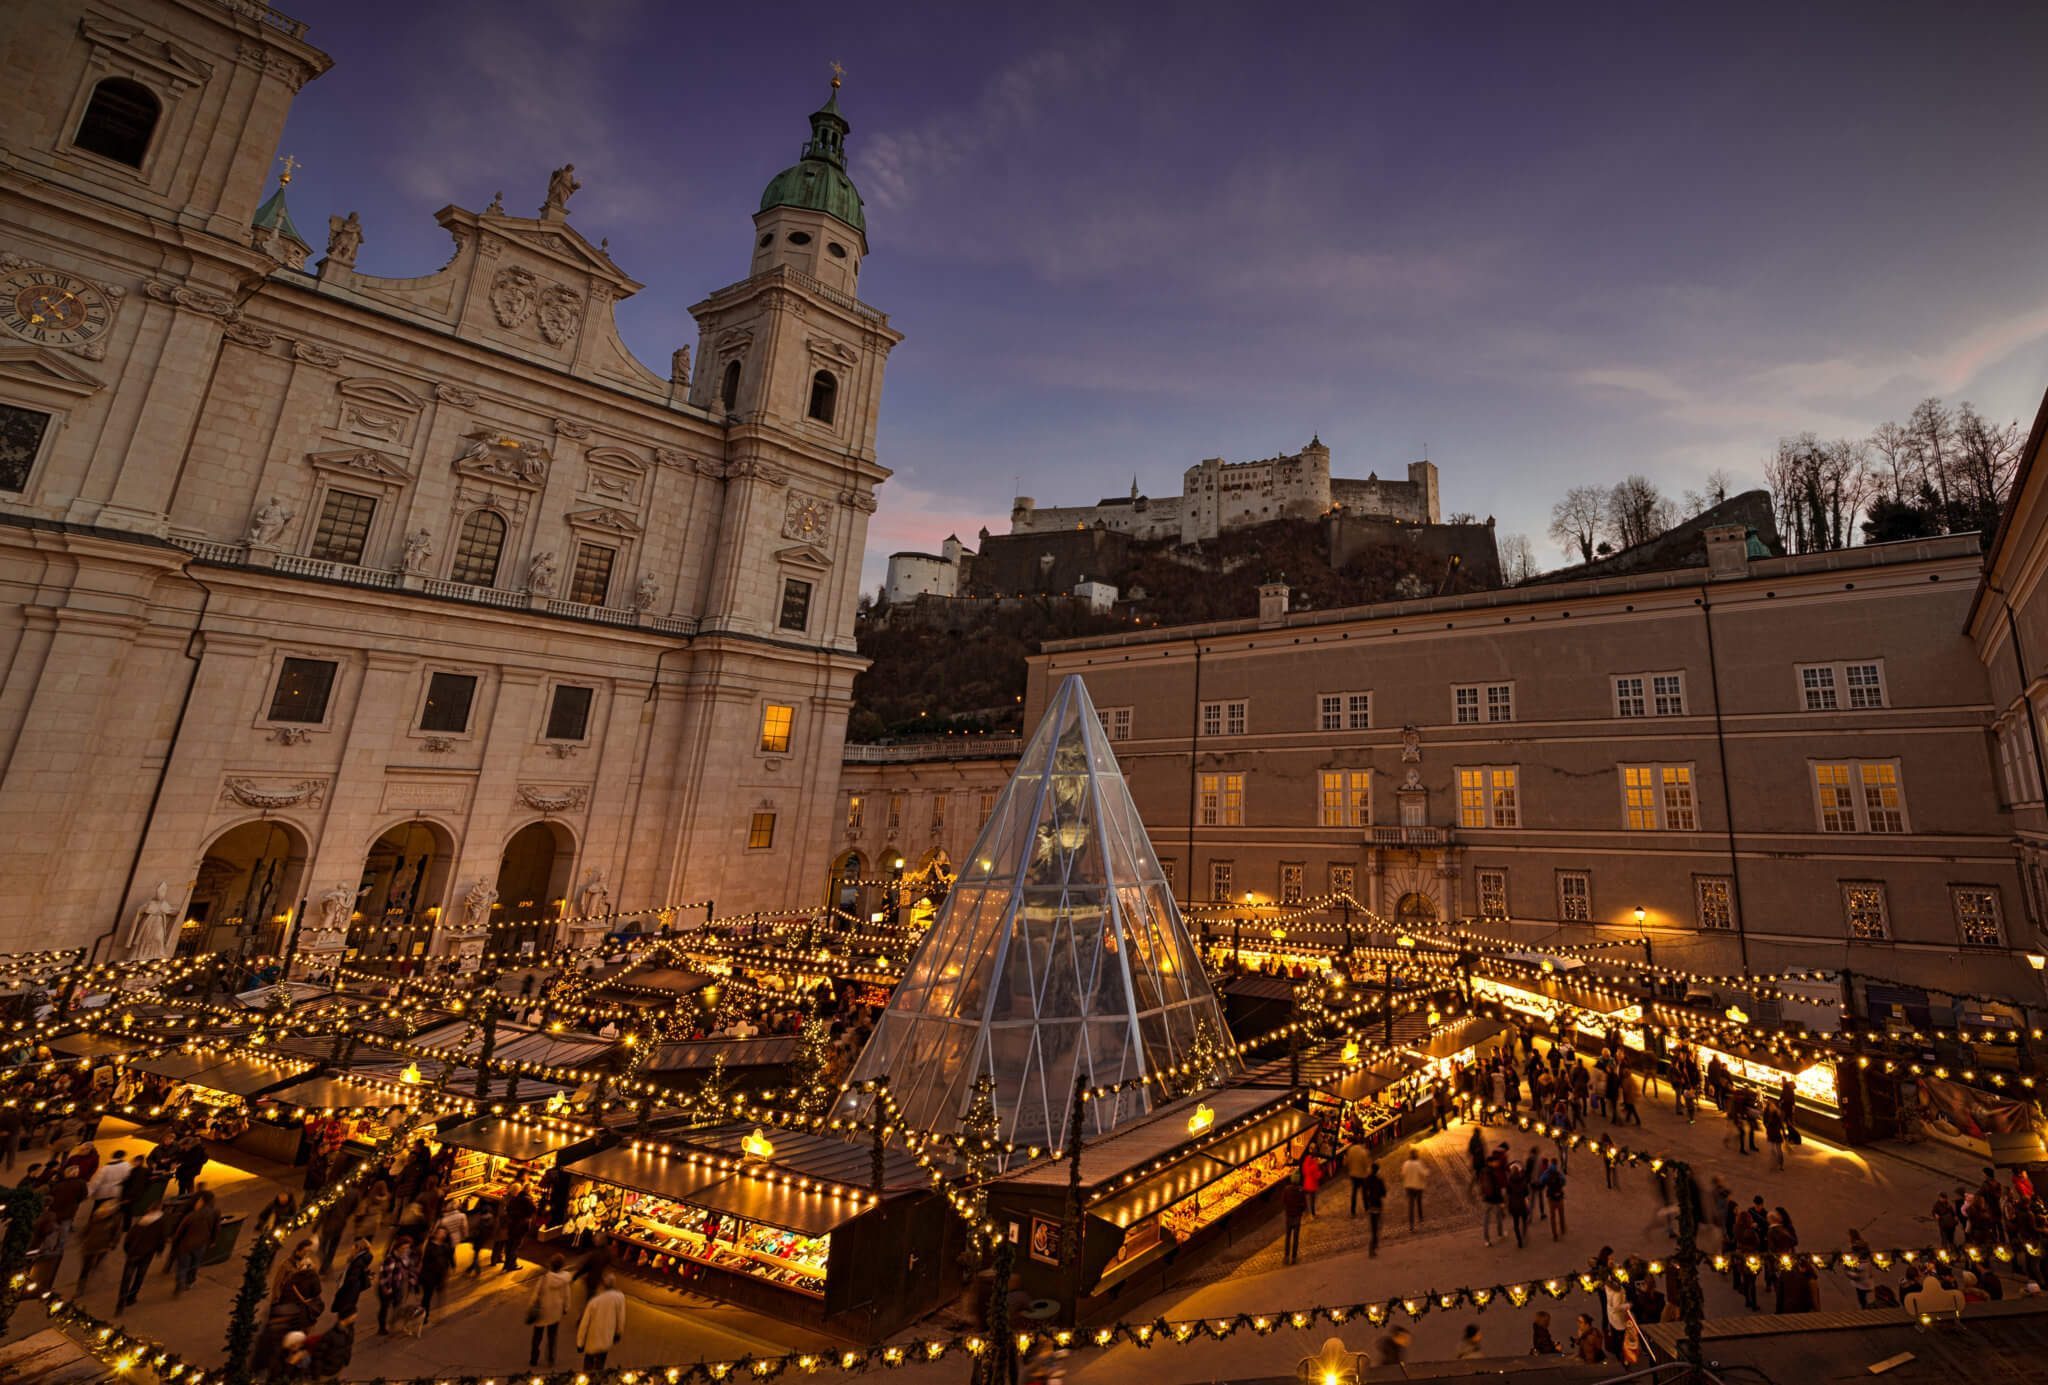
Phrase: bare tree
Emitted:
{"points": [[1637, 512], [1818, 489], [1461, 517], [1985, 457], [1931, 434], [1518, 559], [1713, 491], [1579, 520], [1895, 472]]}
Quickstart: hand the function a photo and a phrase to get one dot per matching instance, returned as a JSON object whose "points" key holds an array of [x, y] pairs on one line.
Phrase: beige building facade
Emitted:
{"points": [[923, 804], [1779, 761], [345, 609]]}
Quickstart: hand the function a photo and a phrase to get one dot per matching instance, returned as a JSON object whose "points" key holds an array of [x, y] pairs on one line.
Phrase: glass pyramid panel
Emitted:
{"points": [[1059, 953]]}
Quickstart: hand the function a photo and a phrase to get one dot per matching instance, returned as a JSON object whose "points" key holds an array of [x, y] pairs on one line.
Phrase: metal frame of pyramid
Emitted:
{"points": [[1058, 948]]}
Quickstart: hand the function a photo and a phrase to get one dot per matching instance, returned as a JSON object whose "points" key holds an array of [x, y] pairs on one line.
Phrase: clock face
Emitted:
{"points": [[52, 308]]}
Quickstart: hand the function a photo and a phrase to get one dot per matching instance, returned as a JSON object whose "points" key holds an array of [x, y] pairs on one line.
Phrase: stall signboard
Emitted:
{"points": [[1045, 1241]]}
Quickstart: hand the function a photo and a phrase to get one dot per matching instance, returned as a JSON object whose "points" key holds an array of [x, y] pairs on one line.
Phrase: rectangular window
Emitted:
{"points": [[1464, 705], [1863, 907], [1628, 698], [1291, 873], [569, 713], [776, 722], [895, 813], [1817, 688], [1116, 722], [590, 580], [1488, 796], [1343, 879], [988, 807], [449, 696], [1860, 796], [1344, 711], [1222, 798], [796, 606], [21, 440], [1493, 894], [1866, 685], [1820, 685], [1658, 798], [761, 832], [303, 687], [1330, 712], [343, 529], [1170, 869], [855, 805], [1714, 900], [1223, 718], [1219, 881], [1346, 798], [1977, 917], [1575, 896], [1667, 693], [1649, 694], [938, 812], [1500, 702], [1497, 700]]}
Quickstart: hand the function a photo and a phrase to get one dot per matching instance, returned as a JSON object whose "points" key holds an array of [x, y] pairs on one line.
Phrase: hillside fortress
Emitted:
{"points": [[1217, 495]]}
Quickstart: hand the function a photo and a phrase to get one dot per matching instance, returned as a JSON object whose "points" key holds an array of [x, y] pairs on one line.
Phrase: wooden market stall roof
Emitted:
{"points": [[1326, 1071], [523, 1141], [700, 1055], [798, 1152], [1158, 1136], [340, 1094], [86, 1044], [673, 1176], [781, 1205], [1459, 1035], [1234, 1150]]}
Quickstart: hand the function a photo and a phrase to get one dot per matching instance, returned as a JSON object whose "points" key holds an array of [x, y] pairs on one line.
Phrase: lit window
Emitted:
{"points": [[1864, 907], [343, 529], [1977, 917], [1222, 798], [1488, 797], [1493, 894], [478, 545], [1658, 798], [854, 804], [569, 714], [761, 832], [1346, 797], [1860, 796], [449, 696], [1342, 879], [1291, 873], [590, 580], [1837, 804], [303, 687], [1574, 896], [1219, 880], [776, 721], [1714, 898], [1884, 807]]}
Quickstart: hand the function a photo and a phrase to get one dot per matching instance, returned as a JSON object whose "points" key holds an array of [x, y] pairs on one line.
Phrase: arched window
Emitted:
{"points": [[118, 121], [729, 388], [824, 395], [477, 549]]}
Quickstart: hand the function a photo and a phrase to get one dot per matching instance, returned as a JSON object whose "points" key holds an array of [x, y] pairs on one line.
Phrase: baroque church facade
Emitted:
{"points": [[396, 614]]}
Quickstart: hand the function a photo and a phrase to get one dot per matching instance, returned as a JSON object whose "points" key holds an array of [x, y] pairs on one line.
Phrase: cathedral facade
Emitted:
{"points": [[397, 614]]}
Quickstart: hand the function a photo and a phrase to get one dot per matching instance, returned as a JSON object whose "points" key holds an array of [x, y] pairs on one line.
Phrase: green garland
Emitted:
{"points": [[23, 1207], [248, 1298]]}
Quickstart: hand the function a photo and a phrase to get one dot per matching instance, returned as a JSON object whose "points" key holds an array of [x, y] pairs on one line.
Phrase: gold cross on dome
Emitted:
{"points": [[837, 73], [291, 166]]}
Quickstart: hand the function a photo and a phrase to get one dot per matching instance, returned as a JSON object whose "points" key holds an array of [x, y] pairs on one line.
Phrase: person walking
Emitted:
{"points": [[1414, 1178], [1774, 1135], [483, 1234], [437, 1261], [603, 1323], [356, 1275], [1553, 1199], [105, 1183], [192, 1239], [1311, 1178], [1518, 1203], [140, 1246], [1293, 1202], [546, 1309], [1357, 1160], [396, 1278], [517, 1224], [1375, 1190], [102, 1231]]}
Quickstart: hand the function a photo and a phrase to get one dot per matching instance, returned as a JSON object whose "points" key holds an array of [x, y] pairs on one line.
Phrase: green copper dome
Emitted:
{"points": [[273, 215], [818, 181]]}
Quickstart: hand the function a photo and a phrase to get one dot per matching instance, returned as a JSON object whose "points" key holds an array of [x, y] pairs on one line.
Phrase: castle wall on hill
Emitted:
{"points": [[1346, 535], [1050, 562]]}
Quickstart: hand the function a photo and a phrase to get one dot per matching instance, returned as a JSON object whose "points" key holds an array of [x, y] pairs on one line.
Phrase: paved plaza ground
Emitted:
{"points": [[1884, 1191]]}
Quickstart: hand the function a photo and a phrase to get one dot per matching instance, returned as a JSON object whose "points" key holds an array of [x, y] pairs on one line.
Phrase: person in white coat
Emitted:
{"points": [[602, 1324], [546, 1309]]}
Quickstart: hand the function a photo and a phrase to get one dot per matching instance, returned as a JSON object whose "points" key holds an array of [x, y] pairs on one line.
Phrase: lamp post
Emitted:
{"points": [[1649, 949]]}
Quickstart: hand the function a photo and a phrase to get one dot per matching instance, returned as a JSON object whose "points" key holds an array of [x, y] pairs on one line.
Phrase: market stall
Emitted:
{"points": [[1374, 1093], [748, 1061], [782, 1221], [223, 1088], [1154, 1191], [334, 1112], [494, 1155]]}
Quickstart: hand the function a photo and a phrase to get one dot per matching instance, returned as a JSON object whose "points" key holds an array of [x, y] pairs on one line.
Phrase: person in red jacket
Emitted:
{"points": [[1311, 1178]]}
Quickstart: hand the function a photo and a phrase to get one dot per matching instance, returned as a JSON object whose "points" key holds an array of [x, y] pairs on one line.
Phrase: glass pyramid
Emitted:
{"points": [[1058, 949]]}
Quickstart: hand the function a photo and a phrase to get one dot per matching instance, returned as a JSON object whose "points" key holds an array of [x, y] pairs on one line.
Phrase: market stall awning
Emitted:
{"points": [[519, 1140], [341, 1094], [1160, 1136], [248, 1076], [845, 1162], [1241, 1146], [780, 1205], [92, 1045], [676, 1177], [1160, 1191], [700, 1055], [1459, 1035], [176, 1065], [668, 979]]}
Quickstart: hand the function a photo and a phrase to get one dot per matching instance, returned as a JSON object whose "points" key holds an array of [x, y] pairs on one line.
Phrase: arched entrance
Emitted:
{"points": [[403, 892], [1416, 907], [934, 880], [533, 879], [845, 890], [248, 889]]}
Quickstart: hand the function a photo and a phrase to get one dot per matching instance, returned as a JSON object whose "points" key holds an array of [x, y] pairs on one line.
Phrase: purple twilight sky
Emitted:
{"points": [[1551, 243]]}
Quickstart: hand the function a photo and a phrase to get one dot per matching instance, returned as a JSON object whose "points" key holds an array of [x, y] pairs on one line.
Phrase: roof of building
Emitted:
{"points": [[818, 181], [273, 215]]}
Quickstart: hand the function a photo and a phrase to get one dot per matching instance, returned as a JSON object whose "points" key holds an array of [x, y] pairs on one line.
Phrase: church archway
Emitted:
{"points": [[1416, 907], [403, 892], [249, 887], [845, 890], [533, 881]]}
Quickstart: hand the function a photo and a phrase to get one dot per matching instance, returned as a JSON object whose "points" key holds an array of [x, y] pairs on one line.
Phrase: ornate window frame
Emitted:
{"points": [[426, 672], [146, 57]]}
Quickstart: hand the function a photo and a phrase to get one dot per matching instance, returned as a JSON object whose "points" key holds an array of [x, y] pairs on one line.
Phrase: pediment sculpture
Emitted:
{"points": [[496, 455]]}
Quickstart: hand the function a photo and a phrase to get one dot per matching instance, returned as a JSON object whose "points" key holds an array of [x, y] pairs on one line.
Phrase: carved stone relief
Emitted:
{"points": [[546, 798], [491, 454], [252, 794], [456, 395], [514, 294], [250, 335], [313, 354], [561, 314], [858, 500], [197, 300]]}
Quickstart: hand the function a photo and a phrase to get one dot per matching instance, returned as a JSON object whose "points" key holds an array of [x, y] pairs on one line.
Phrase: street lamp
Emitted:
{"points": [[1641, 914]]}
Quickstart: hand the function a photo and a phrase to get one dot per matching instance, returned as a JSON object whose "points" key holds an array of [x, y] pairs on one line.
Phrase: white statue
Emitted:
{"points": [[156, 922], [335, 907], [268, 524], [540, 574], [646, 594], [597, 896], [476, 905], [419, 546]]}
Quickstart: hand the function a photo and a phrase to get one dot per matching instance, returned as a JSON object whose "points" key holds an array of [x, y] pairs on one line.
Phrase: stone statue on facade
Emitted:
{"points": [[344, 238], [562, 185], [646, 594], [268, 524], [597, 896], [156, 923], [419, 546], [540, 574], [476, 905], [679, 368], [335, 907], [497, 207]]}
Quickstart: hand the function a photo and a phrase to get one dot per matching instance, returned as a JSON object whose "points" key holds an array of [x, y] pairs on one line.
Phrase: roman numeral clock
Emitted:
{"points": [[51, 308]]}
